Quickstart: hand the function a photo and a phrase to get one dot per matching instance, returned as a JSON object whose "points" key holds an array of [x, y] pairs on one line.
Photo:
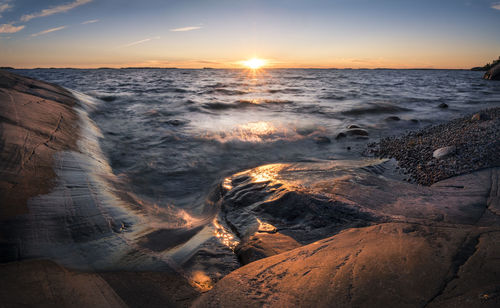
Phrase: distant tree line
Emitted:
{"points": [[487, 66]]}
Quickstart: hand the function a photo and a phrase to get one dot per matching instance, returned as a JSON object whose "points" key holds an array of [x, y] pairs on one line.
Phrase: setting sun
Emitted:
{"points": [[254, 63]]}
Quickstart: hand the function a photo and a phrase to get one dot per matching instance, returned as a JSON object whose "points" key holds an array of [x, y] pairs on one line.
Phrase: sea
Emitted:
{"points": [[172, 135]]}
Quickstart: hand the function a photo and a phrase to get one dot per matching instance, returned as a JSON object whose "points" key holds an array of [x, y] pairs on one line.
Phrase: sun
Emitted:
{"points": [[254, 63]]}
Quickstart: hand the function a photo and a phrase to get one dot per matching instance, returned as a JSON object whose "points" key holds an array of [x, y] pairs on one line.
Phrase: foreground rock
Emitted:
{"points": [[389, 265], [421, 246], [43, 283], [57, 205], [305, 202], [37, 120]]}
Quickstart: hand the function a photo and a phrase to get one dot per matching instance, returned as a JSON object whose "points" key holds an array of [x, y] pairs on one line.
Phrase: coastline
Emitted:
{"points": [[385, 241], [62, 228]]}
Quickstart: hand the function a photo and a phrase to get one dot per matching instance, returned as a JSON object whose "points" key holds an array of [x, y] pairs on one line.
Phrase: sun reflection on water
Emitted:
{"points": [[267, 173], [201, 280], [255, 132], [224, 236]]}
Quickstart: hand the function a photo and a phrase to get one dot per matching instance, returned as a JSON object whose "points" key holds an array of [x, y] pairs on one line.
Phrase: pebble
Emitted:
{"points": [[477, 139], [479, 117], [444, 152], [443, 105]]}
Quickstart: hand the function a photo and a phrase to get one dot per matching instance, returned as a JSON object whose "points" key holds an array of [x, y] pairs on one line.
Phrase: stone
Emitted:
{"points": [[444, 152], [479, 117], [443, 105], [353, 126], [340, 136], [357, 132], [392, 118], [493, 73], [322, 140]]}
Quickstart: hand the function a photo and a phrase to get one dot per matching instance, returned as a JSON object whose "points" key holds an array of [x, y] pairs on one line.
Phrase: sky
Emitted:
{"points": [[222, 33]]}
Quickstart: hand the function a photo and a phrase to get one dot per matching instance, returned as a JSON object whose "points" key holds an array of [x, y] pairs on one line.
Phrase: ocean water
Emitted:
{"points": [[172, 135]]}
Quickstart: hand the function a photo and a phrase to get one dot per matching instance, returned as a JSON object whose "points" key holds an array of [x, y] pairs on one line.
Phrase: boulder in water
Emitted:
{"points": [[353, 126], [357, 132], [322, 140], [392, 118], [340, 135]]}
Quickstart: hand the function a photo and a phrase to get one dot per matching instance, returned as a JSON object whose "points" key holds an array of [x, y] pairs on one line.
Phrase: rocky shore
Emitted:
{"points": [[352, 233], [336, 233], [65, 242], [457, 147]]}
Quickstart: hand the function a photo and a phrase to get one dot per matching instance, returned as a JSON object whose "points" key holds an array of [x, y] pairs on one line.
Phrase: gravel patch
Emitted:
{"points": [[476, 139]]}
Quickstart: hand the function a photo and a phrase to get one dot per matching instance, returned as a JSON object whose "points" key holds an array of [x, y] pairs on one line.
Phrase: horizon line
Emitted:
{"points": [[231, 68]]}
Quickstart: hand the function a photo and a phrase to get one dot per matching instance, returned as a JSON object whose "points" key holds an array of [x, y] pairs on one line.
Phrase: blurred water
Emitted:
{"points": [[173, 134]]}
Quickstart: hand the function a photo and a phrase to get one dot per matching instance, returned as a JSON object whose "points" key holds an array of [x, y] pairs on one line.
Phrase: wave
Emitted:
{"points": [[286, 91], [222, 106], [263, 102], [335, 97], [263, 132], [176, 90], [375, 108], [225, 92]]}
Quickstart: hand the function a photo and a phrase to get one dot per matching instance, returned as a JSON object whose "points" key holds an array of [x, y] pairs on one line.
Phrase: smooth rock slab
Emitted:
{"points": [[388, 265], [310, 201]]}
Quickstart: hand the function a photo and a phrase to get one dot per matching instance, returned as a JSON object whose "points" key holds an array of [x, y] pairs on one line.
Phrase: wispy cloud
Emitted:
{"points": [[48, 31], [4, 6], [184, 29], [54, 10], [141, 41], [9, 28], [90, 21], [496, 6]]}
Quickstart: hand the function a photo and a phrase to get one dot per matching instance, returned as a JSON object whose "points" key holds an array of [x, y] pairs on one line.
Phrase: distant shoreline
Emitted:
{"points": [[241, 68]]}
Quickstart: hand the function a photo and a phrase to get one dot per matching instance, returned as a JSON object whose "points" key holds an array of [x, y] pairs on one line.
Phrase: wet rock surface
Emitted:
{"points": [[59, 209], [423, 246], [477, 141]]}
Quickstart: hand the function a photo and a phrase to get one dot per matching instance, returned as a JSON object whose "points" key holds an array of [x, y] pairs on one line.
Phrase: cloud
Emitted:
{"points": [[184, 29], [496, 6], [9, 28], [48, 31], [54, 10], [90, 21], [4, 7], [141, 41]]}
